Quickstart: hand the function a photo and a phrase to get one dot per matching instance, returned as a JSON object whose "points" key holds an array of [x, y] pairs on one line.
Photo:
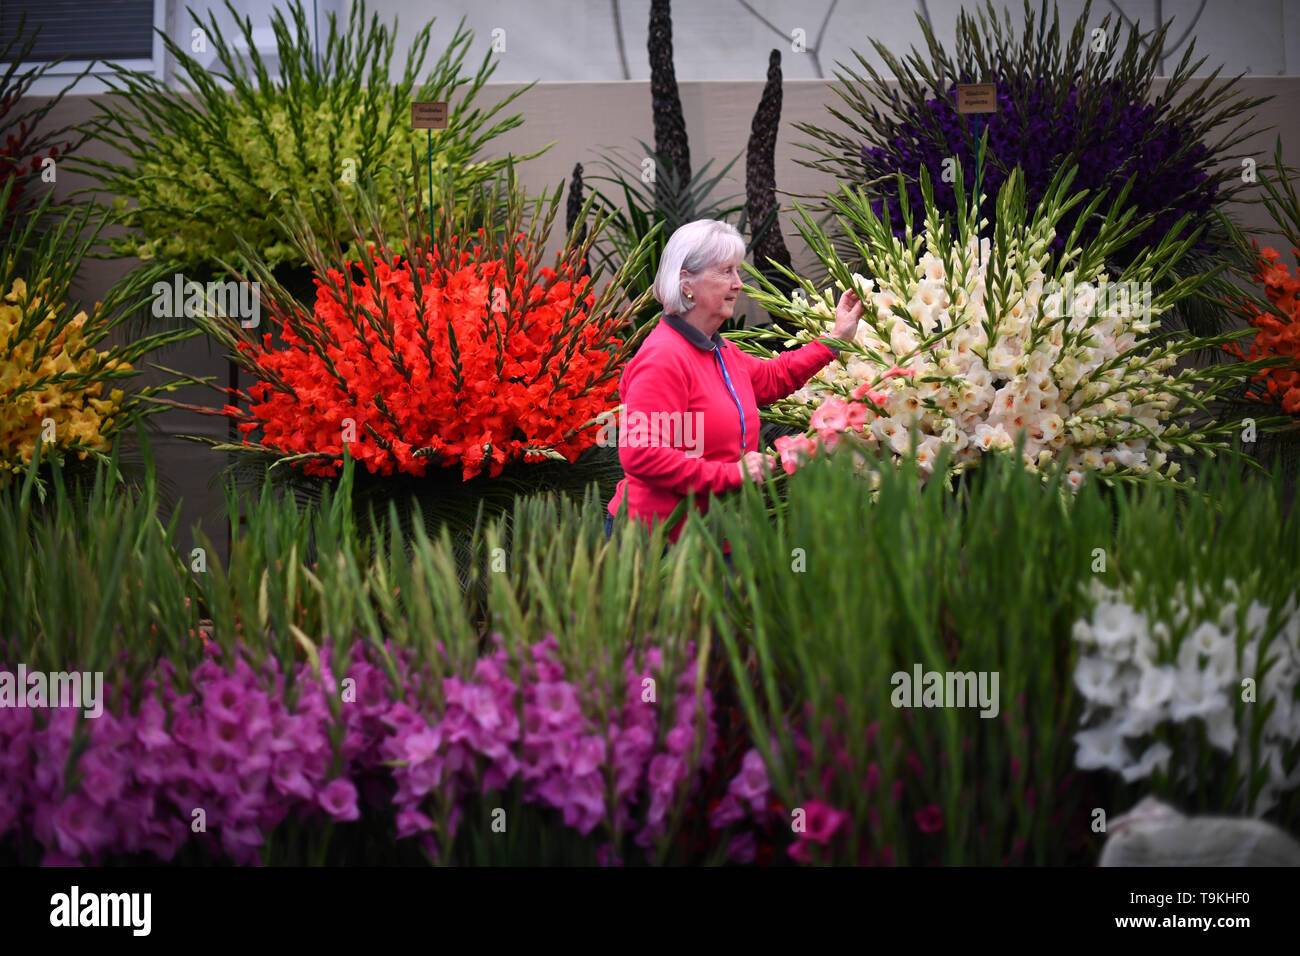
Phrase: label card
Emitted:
{"points": [[430, 114], [977, 98]]}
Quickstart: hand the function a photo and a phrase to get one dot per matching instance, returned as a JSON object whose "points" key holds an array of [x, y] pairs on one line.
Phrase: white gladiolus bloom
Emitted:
{"points": [[1098, 680], [1205, 641], [903, 340], [1156, 756], [1222, 665], [932, 267], [1196, 694], [1146, 649], [926, 451], [1125, 457], [1280, 678], [1081, 631], [900, 442], [1004, 357], [884, 429], [991, 436], [1155, 688], [1101, 748], [1136, 722], [1040, 363], [1257, 616], [1160, 632], [1114, 627], [1091, 458], [1221, 729], [858, 368]]}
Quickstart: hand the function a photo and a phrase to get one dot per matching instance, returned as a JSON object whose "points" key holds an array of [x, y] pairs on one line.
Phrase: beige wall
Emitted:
{"points": [[584, 119]]}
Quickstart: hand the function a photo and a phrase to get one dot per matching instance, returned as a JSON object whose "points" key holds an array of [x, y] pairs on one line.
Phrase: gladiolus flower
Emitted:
{"points": [[929, 819]]}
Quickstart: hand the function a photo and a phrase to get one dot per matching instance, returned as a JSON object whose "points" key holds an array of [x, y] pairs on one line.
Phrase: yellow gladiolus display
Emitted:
{"points": [[52, 380]]}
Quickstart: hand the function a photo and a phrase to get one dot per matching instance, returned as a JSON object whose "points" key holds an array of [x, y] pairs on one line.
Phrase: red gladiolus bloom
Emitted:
{"points": [[1278, 335]]}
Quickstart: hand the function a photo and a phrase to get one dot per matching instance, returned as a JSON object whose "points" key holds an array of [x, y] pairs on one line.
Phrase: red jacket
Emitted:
{"points": [[685, 399]]}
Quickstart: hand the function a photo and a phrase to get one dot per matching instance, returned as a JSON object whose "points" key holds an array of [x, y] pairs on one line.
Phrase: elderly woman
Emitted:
{"points": [[690, 397]]}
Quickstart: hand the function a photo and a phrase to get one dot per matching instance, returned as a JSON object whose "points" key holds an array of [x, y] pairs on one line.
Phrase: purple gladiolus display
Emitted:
{"points": [[1110, 136], [229, 750]]}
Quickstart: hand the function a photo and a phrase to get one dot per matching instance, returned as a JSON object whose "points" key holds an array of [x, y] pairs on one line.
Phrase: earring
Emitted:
{"points": [[690, 297]]}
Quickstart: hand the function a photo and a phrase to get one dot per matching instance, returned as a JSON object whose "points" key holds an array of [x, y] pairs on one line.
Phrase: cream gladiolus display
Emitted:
{"points": [[976, 342]]}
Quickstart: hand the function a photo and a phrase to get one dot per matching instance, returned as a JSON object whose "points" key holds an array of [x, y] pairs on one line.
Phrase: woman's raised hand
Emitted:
{"points": [[756, 466], [847, 313]]}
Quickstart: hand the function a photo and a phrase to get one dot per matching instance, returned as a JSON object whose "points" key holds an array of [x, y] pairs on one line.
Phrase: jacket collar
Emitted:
{"points": [[693, 335]]}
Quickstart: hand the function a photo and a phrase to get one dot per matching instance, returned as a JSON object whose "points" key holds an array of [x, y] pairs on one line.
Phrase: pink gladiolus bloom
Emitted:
{"points": [[798, 852], [831, 417], [665, 771], [339, 800], [793, 449], [411, 821], [605, 855], [679, 739], [288, 777], [727, 812], [751, 784], [558, 702], [822, 821], [589, 755], [77, 825], [865, 391], [896, 372], [421, 745], [930, 819], [483, 706], [743, 848], [914, 762]]}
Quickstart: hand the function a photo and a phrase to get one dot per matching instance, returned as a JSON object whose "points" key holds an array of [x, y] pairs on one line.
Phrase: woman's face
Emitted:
{"points": [[715, 290]]}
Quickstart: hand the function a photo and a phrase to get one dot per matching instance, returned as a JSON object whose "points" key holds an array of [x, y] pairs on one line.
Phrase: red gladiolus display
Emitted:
{"points": [[1279, 334], [478, 359]]}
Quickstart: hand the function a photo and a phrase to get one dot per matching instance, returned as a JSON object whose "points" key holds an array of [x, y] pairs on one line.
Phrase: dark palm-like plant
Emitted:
{"points": [[651, 207], [770, 252], [649, 198]]}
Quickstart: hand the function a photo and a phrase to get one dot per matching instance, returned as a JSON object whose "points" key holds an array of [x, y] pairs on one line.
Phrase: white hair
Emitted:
{"points": [[694, 247]]}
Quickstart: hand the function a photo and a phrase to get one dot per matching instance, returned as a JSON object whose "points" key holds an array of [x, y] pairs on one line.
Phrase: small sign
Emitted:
{"points": [[977, 97], [431, 114]]}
